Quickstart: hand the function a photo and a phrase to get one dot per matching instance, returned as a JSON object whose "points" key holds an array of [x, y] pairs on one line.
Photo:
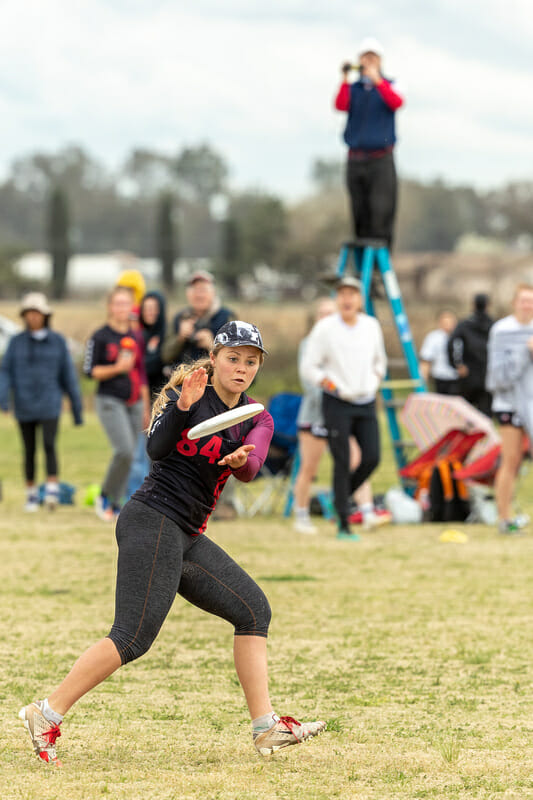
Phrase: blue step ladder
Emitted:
{"points": [[370, 260]]}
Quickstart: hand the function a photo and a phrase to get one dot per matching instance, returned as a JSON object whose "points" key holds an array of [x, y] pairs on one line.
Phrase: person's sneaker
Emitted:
{"points": [[376, 518], [103, 509], [347, 535], [509, 528], [43, 733], [51, 495], [304, 525], [32, 500], [521, 520], [286, 732]]}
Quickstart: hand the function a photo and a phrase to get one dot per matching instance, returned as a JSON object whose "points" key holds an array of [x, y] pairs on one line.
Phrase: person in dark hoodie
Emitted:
{"points": [[467, 351], [153, 327], [37, 370]]}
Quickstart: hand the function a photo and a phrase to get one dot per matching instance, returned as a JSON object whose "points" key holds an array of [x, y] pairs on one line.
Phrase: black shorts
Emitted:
{"points": [[508, 418], [318, 431]]}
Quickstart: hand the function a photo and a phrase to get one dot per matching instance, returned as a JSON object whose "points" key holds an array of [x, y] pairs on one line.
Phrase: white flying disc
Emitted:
{"points": [[225, 420]]}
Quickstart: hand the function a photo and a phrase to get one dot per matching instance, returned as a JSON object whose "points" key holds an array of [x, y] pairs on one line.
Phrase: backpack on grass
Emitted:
{"points": [[448, 497]]}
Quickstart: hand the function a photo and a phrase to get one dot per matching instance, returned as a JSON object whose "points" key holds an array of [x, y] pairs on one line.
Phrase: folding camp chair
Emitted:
{"points": [[453, 447], [268, 491], [483, 470]]}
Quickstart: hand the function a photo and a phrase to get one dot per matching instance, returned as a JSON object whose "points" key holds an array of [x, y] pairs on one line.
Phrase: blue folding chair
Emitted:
{"points": [[272, 484]]}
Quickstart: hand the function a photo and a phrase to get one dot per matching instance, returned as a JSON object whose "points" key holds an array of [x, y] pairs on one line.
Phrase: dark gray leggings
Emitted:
{"points": [[156, 560]]}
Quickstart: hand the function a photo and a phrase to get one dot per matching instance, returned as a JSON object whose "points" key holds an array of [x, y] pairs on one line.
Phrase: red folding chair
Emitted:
{"points": [[483, 470], [453, 447]]}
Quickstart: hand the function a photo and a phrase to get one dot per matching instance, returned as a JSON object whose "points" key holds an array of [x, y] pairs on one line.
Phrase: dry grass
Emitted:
{"points": [[418, 654]]}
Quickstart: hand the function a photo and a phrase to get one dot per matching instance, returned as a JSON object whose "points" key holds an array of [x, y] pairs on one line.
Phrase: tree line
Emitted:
{"points": [[182, 205]]}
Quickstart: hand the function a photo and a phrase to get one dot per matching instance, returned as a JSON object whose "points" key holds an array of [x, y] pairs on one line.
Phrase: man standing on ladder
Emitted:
{"points": [[371, 103]]}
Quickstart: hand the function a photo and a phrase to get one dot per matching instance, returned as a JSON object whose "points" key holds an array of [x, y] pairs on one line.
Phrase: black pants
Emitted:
{"points": [[372, 185], [29, 433], [446, 386], [343, 420], [156, 560], [478, 397]]}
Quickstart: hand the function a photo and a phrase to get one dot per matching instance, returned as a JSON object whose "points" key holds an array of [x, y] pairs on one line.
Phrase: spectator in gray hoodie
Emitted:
{"points": [[510, 379]]}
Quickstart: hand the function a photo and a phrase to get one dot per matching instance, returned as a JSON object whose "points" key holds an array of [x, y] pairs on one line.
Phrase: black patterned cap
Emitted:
{"points": [[238, 334]]}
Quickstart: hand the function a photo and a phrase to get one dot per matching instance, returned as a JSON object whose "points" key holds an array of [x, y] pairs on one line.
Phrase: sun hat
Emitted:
{"points": [[238, 334], [35, 301], [370, 45]]}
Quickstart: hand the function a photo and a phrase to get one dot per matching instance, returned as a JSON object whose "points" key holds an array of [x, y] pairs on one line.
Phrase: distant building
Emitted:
{"points": [[88, 272], [99, 272]]}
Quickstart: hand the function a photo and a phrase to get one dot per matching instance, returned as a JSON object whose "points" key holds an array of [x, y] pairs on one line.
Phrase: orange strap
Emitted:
{"points": [[462, 489], [446, 479], [424, 480], [446, 468]]}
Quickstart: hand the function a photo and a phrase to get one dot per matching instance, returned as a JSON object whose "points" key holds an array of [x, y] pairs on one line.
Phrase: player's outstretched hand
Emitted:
{"points": [[238, 458], [192, 388]]}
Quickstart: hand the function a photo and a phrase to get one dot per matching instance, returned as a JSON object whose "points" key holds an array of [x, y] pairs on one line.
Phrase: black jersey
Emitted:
{"points": [[185, 480], [103, 348]]}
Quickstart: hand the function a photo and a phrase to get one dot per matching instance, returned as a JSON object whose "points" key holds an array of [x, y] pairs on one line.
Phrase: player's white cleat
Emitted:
{"points": [[286, 732], [43, 733]]}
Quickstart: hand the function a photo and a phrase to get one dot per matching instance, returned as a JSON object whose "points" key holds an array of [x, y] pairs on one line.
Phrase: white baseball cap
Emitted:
{"points": [[347, 281], [370, 45]]}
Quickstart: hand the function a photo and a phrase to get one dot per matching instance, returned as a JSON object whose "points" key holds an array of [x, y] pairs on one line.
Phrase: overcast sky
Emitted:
{"points": [[256, 81]]}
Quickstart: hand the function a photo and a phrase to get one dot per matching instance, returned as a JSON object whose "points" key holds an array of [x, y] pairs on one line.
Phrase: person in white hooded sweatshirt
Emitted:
{"points": [[345, 356]]}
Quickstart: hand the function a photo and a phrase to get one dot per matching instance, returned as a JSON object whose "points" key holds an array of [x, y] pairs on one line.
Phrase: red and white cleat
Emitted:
{"points": [[43, 733]]}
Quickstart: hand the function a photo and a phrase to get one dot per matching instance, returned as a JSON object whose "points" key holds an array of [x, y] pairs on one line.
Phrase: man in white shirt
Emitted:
{"points": [[345, 356], [434, 359]]}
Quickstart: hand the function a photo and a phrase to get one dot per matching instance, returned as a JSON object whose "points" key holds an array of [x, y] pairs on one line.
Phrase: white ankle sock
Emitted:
{"points": [[50, 714], [264, 723], [366, 508], [301, 513]]}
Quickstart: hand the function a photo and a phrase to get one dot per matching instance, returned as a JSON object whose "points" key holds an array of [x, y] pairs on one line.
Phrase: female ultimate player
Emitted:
{"points": [[163, 549]]}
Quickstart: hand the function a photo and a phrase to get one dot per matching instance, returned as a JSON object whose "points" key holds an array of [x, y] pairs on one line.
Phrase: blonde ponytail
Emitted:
{"points": [[176, 379]]}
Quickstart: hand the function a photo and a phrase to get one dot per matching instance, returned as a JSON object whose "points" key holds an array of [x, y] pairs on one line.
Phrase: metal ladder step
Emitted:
{"points": [[397, 362], [401, 383], [394, 403], [405, 443]]}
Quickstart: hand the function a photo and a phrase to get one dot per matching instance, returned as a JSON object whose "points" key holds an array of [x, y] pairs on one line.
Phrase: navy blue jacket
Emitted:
{"points": [[37, 372], [370, 125]]}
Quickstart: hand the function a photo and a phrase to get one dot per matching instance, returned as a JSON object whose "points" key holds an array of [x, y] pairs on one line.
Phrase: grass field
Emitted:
{"points": [[418, 653]]}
